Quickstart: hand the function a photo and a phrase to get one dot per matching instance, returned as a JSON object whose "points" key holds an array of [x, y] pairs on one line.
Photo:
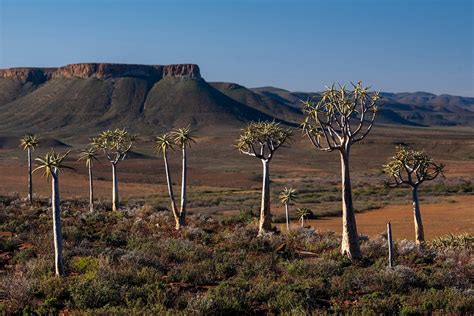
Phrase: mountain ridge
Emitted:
{"points": [[88, 97]]}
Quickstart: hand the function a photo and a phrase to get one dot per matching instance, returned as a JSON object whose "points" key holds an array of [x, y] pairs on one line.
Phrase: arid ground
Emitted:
{"points": [[223, 182]]}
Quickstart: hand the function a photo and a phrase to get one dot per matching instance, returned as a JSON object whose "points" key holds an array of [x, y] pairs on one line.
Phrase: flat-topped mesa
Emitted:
{"points": [[34, 75], [102, 71]]}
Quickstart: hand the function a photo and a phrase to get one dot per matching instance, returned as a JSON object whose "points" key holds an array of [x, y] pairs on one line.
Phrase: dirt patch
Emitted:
{"points": [[454, 215]]}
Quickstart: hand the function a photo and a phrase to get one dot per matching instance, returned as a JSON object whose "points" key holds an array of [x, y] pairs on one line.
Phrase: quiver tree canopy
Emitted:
{"points": [[262, 139], [341, 117], [411, 167], [51, 163], [115, 144], [29, 142]]}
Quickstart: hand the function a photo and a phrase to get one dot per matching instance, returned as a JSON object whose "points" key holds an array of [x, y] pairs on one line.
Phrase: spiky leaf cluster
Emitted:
{"points": [[411, 167], [29, 141], [88, 155], [114, 143], [51, 163], [340, 117], [303, 212], [182, 137], [163, 143], [262, 139], [288, 195]]}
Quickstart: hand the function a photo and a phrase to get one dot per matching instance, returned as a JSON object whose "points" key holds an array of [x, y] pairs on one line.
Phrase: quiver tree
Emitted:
{"points": [[338, 120], [261, 140], [115, 144], [287, 196], [163, 144], [183, 138], [303, 213], [51, 163], [88, 156], [29, 143], [411, 168]]}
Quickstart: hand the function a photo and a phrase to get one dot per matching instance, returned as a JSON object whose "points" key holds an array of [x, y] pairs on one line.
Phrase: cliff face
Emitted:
{"points": [[102, 71]]}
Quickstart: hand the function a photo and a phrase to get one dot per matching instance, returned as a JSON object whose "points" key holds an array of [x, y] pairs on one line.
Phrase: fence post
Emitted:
{"points": [[391, 261]]}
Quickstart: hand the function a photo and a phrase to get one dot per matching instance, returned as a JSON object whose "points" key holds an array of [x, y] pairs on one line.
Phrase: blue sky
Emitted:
{"points": [[404, 45]]}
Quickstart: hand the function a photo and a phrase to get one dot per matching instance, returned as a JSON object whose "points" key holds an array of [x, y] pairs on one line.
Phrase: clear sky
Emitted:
{"points": [[393, 45]]}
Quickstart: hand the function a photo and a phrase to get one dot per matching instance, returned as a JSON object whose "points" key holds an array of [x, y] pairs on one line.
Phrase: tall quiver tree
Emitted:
{"points": [[411, 168], [115, 144], [29, 143], [338, 120], [88, 156], [287, 196], [51, 163], [163, 144], [183, 137], [262, 140]]}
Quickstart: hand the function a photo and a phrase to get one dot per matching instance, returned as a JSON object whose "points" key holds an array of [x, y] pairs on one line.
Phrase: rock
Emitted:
{"points": [[102, 71]]}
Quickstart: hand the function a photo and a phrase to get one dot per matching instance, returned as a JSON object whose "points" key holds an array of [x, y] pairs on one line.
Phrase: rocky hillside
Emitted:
{"points": [[89, 97], [85, 98]]}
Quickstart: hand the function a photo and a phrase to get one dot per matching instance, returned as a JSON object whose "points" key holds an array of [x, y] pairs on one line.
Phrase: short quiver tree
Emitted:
{"points": [[29, 143], [338, 120], [411, 168], [88, 155], [262, 140], [303, 213], [115, 144], [51, 163], [287, 196]]}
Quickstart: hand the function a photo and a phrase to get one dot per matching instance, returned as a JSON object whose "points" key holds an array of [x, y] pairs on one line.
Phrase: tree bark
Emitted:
{"points": [[287, 213], [182, 212], [91, 190], [115, 192], [174, 209], [350, 238], [30, 177], [57, 230], [265, 216], [419, 232]]}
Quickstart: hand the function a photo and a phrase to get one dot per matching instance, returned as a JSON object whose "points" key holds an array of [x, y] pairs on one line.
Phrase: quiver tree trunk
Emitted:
{"points": [[30, 177], [419, 232], [265, 215], [182, 211], [115, 192], [57, 230], [287, 214], [174, 208], [350, 238], [91, 190]]}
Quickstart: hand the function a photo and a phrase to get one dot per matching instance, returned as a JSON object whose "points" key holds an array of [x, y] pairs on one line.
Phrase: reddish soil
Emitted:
{"points": [[454, 215]]}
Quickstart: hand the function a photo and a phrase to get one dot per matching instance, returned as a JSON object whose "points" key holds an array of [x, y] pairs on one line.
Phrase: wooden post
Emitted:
{"points": [[391, 261]]}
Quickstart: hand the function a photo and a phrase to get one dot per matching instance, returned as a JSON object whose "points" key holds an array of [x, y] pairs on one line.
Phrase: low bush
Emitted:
{"points": [[135, 262]]}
